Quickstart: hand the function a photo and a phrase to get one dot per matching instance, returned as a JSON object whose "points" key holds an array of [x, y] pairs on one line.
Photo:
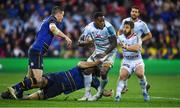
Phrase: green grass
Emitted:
{"points": [[164, 92]]}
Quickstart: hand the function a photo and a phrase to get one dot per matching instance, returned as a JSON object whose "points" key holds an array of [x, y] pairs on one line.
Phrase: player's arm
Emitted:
{"points": [[147, 32], [135, 47], [84, 40], [112, 40], [34, 96], [148, 36], [57, 32], [85, 64]]}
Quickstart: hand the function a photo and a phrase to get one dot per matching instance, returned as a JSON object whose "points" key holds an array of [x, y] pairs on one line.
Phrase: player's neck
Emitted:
{"points": [[98, 27], [134, 20]]}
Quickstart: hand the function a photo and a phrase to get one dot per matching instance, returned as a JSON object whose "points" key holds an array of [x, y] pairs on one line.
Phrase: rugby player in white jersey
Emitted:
{"points": [[140, 28], [103, 35], [132, 60]]}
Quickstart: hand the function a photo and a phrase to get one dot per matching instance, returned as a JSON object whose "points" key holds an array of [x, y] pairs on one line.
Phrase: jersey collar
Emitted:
{"points": [[131, 35], [97, 27]]}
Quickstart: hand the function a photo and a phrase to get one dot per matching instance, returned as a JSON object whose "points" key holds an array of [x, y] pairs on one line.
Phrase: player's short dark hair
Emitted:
{"points": [[98, 14], [135, 7], [130, 23], [56, 9]]}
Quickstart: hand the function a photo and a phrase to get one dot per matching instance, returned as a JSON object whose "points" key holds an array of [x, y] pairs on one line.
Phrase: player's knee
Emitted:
{"points": [[140, 75], [122, 77]]}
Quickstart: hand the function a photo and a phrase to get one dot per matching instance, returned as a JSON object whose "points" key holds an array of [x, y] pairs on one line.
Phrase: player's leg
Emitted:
{"points": [[87, 84], [87, 81], [139, 71], [122, 77], [34, 77], [104, 80]]}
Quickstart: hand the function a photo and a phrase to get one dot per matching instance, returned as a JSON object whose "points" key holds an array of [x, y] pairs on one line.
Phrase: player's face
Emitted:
{"points": [[127, 30], [100, 23], [59, 16], [134, 13]]}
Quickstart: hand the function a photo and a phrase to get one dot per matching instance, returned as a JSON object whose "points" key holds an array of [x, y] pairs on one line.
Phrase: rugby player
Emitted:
{"points": [[64, 82], [132, 60], [50, 27], [140, 28], [103, 36]]}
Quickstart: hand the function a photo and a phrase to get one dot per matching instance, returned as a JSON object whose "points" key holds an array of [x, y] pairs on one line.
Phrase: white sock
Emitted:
{"points": [[143, 84], [87, 84], [102, 86], [126, 82], [120, 87]]}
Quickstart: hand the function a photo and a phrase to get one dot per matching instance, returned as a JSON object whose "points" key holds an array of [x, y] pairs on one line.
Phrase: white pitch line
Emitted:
{"points": [[167, 98]]}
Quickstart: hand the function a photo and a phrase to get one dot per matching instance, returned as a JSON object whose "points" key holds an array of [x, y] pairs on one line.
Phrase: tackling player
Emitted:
{"points": [[49, 28], [104, 38], [140, 28], [64, 82], [132, 60]]}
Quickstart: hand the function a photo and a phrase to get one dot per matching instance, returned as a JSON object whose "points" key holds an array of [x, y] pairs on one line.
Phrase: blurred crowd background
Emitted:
{"points": [[21, 19]]}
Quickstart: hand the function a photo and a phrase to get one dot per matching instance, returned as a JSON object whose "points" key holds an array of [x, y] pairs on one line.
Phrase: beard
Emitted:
{"points": [[133, 17], [127, 33]]}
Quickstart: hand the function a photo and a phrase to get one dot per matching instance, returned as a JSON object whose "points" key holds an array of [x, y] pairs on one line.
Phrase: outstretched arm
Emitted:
{"points": [[85, 64], [59, 33]]}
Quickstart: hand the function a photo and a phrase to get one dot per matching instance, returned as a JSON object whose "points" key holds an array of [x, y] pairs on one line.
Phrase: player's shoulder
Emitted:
{"points": [[127, 19], [141, 21], [51, 19], [90, 25], [107, 23]]}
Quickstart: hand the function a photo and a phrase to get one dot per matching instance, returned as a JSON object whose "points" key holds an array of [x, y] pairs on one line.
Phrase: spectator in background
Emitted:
{"points": [[23, 17]]}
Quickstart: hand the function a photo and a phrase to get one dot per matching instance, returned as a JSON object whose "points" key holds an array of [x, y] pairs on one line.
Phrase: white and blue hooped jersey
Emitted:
{"points": [[100, 36], [140, 27], [132, 40]]}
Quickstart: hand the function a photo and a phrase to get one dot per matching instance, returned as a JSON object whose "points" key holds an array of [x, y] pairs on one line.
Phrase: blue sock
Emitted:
{"points": [[26, 84]]}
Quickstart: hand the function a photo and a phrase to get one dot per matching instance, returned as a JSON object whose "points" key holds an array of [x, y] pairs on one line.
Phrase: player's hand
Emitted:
{"points": [[69, 42], [108, 93], [98, 61], [98, 56]]}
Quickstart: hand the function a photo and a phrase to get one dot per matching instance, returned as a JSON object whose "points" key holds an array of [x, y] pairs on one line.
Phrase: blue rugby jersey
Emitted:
{"points": [[45, 36]]}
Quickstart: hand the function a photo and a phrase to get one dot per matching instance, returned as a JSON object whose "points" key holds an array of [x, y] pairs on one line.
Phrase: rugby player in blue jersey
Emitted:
{"points": [[50, 27], [65, 82]]}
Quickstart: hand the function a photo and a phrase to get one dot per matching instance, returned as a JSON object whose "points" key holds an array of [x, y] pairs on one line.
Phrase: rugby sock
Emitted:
{"points": [[24, 85], [126, 82], [103, 83], [87, 84], [143, 84], [120, 87]]}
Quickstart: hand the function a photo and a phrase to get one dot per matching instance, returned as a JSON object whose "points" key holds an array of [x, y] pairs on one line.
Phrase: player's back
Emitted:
{"points": [[140, 27], [44, 35]]}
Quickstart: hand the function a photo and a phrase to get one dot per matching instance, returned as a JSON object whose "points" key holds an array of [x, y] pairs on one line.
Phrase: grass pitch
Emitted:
{"points": [[164, 92]]}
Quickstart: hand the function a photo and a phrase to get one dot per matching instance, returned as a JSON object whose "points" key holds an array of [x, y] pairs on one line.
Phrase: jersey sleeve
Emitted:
{"points": [[145, 28], [111, 31], [53, 20]]}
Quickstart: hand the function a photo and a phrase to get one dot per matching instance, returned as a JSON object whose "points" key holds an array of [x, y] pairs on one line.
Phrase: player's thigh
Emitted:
{"points": [[37, 74], [139, 71], [124, 73]]}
